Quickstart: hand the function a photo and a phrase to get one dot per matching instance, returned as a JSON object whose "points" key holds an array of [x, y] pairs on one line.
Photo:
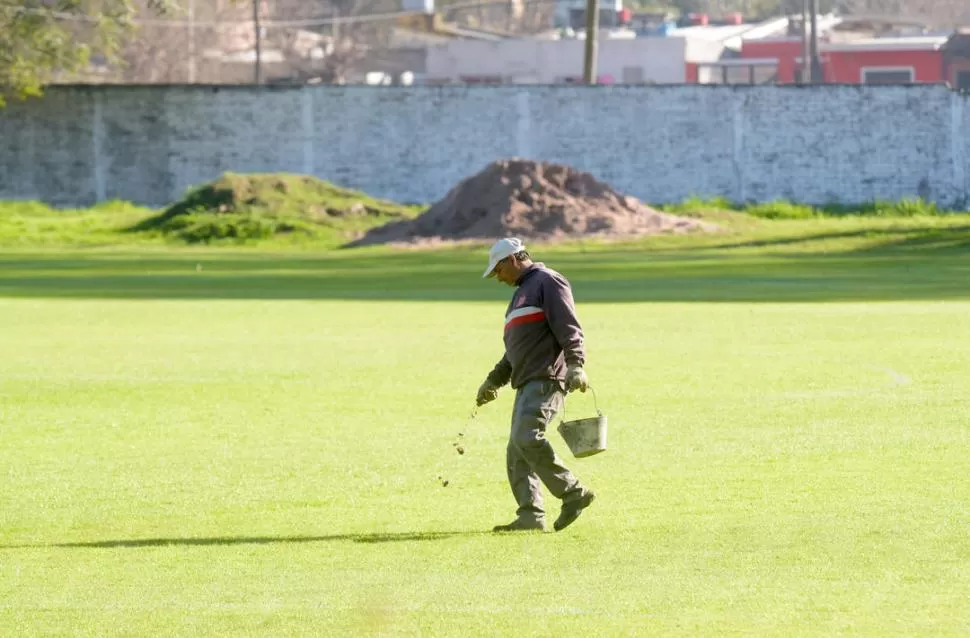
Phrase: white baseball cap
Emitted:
{"points": [[500, 250]]}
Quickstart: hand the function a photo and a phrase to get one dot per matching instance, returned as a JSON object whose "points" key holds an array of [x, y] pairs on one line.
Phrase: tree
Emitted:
{"points": [[174, 50], [331, 52], [936, 14], [43, 39]]}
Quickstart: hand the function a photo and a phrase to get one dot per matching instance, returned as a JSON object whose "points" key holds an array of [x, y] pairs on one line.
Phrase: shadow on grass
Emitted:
{"points": [[389, 537], [887, 264], [949, 239]]}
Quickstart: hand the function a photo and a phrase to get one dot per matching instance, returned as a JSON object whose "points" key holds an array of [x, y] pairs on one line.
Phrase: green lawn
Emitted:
{"points": [[248, 442]]}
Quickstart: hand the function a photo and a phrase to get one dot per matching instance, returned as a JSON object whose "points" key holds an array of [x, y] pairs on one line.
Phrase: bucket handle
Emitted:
{"points": [[595, 403]]}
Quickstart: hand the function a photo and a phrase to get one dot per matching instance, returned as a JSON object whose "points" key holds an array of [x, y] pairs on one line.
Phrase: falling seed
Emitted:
{"points": [[445, 484], [461, 450]]}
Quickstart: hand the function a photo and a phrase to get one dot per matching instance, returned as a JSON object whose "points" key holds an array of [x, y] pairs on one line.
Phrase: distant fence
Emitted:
{"points": [[147, 144]]}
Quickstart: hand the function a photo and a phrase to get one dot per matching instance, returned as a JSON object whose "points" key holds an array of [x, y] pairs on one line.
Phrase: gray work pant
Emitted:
{"points": [[530, 457]]}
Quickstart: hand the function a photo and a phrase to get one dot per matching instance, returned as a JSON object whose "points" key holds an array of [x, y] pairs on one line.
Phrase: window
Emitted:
{"points": [[887, 76], [963, 80], [633, 75], [481, 79], [741, 71]]}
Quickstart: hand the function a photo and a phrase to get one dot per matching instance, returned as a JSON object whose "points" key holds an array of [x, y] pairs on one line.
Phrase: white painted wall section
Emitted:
{"points": [[827, 144], [656, 60]]}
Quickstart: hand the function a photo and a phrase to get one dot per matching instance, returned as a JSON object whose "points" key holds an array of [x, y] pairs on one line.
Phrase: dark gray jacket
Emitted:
{"points": [[542, 331]]}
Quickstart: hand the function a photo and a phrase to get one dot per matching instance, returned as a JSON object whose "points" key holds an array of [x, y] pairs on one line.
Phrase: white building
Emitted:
{"points": [[534, 61]]}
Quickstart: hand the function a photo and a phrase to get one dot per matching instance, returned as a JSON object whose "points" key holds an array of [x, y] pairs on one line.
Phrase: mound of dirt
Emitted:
{"points": [[531, 200], [262, 205], [279, 194]]}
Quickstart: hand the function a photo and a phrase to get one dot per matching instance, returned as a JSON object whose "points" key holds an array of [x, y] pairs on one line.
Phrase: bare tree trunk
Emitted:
{"points": [[257, 69]]}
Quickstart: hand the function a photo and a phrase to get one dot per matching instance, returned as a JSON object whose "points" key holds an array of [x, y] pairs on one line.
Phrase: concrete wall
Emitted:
{"points": [[825, 144], [530, 61]]}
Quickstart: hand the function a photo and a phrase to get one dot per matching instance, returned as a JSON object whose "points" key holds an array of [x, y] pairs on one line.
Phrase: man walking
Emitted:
{"points": [[544, 358]]}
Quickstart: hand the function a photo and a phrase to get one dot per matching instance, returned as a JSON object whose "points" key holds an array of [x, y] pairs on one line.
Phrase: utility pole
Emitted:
{"points": [[592, 30], [259, 53], [191, 41], [508, 20], [813, 45], [806, 65], [335, 24]]}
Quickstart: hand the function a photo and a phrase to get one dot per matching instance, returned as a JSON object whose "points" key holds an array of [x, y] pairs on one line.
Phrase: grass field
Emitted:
{"points": [[248, 442]]}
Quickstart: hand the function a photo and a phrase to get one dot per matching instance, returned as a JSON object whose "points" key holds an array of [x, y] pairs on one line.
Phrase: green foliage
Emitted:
{"points": [[206, 227], [41, 40], [692, 206], [280, 195], [782, 209], [35, 223], [903, 208], [241, 208]]}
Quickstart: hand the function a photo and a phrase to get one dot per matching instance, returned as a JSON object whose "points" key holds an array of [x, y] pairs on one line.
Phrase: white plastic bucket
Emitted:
{"points": [[585, 437]]}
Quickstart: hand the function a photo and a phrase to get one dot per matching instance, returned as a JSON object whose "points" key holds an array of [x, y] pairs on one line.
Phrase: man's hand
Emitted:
{"points": [[576, 379], [487, 392]]}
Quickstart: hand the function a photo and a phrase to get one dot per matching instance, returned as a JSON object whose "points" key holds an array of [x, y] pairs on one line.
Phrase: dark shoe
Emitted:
{"points": [[521, 525], [572, 509]]}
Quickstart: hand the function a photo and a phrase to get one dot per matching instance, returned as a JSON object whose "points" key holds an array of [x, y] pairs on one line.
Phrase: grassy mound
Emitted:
{"points": [[259, 206]]}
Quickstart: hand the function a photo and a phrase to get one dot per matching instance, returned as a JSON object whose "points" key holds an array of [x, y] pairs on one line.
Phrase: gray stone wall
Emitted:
{"points": [[147, 144]]}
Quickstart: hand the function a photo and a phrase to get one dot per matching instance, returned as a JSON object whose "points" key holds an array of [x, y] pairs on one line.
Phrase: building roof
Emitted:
{"points": [[720, 33], [723, 36], [777, 29], [740, 62], [913, 43], [958, 45], [767, 29], [881, 19], [733, 36]]}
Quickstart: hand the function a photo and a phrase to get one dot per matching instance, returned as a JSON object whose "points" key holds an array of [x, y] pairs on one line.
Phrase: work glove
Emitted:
{"points": [[576, 379], [487, 392]]}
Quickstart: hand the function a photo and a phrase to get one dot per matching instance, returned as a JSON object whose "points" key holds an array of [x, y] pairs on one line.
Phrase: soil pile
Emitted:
{"points": [[531, 200]]}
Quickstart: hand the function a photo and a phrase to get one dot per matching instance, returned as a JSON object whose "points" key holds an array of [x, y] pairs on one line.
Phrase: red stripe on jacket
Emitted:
{"points": [[529, 317]]}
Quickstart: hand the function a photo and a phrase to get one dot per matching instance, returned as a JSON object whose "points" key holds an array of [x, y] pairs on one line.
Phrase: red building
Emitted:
{"points": [[899, 60]]}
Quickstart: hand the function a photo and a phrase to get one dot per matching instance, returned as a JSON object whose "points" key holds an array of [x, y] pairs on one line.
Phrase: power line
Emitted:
{"points": [[310, 22]]}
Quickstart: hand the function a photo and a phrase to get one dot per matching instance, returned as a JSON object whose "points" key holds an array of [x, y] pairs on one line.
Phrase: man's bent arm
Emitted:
{"points": [[501, 373]]}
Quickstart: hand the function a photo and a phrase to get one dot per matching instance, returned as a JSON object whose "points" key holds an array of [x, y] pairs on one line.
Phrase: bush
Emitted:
{"points": [[783, 209], [207, 227], [911, 208], [780, 209], [695, 204]]}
